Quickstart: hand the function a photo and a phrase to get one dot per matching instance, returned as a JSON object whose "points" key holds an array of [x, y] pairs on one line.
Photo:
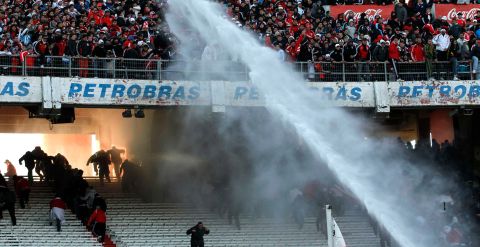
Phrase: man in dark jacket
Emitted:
{"points": [[197, 232], [99, 53], [40, 158], [380, 53], [84, 49], [349, 51], [130, 54], [115, 156], [129, 172], [337, 54], [102, 160], [29, 159]]}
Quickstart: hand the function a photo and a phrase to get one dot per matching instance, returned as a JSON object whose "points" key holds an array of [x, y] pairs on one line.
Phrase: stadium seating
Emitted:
{"points": [[132, 222], [33, 228]]}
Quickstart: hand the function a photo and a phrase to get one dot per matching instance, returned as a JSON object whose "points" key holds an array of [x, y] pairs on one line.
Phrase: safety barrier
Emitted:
{"points": [[155, 69]]}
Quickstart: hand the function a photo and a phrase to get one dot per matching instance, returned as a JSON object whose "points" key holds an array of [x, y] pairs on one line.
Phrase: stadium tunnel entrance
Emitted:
{"points": [[179, 137]]}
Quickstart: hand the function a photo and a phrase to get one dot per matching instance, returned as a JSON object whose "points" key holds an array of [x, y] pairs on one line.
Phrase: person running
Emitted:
{"points": [[129, 176], [102, 160], [40, 157], [97, 223], [29, 159], [197, 232], [115, 156], [57, 212], [22, 188]]}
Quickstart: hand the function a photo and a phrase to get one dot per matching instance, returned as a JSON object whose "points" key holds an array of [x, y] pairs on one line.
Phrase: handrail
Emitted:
{"points": [[157, 69]]}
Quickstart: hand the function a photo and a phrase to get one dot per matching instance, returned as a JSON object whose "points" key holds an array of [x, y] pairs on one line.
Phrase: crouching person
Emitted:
{"points": [[57, 212], [7, 201], [22, 188], [97, 223]]}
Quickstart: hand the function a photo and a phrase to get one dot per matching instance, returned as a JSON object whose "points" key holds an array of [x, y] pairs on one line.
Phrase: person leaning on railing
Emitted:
{"points": [[475, 54], [363, 56], [430, 56], [84, 50], [454, 55]]}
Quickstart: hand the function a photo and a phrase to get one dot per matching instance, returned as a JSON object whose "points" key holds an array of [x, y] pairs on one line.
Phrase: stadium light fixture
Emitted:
{"points": [[127, 113], [139, 113]]}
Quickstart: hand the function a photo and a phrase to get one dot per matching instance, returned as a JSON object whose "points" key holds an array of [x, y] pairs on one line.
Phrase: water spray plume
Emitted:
{"points": [[393, 189]]}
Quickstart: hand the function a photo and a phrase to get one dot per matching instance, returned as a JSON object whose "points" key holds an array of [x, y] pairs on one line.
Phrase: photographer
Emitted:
{"points": [[197, 232]]}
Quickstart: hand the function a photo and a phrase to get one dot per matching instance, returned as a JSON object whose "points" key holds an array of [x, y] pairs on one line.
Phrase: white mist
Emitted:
{"points": [[371, 169]]}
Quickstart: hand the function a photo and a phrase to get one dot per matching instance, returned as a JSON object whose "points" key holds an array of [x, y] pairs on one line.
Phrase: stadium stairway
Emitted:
{"points": [[131, 222], [356, 229], [33, 229]]}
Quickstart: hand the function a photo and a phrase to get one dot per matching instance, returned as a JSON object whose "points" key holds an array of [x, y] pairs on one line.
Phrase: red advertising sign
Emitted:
{"points": [[370, 10], [451, 10]]}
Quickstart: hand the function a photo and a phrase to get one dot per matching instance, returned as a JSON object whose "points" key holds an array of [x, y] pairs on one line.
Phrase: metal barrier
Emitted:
{"points": [[155, 69]]}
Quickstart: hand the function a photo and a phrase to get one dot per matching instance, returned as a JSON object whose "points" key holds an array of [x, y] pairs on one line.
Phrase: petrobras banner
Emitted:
{"points": [[16, 89], [356, 10], [451, 10], [243, 94], [434, 93], [110, 92], [347, 94], [89, 91]]}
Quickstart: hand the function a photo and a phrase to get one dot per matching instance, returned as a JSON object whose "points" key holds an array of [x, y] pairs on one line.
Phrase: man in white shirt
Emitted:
{"points": [[442, 43]]}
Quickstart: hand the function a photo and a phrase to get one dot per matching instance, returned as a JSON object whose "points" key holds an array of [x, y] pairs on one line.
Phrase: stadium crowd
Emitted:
{"points": [[301, 31]]}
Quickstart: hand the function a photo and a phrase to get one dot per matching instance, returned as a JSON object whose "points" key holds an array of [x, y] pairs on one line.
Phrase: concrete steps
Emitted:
{"points": [[356, 229], [33, 229], [134, 223]]}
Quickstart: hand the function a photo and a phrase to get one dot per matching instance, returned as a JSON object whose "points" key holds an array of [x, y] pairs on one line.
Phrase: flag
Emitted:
{"points": [[338, 240]]}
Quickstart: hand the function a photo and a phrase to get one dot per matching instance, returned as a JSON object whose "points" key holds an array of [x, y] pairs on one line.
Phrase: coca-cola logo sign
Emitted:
{"points": [[369, 14], [356, 11], [467, 14]]}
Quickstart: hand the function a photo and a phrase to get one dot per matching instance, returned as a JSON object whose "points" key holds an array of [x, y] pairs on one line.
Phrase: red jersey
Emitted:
{"points": [[96, 15], [418, 54], [363, 52], [97, 216], [107, 20], [21, 184], [393, 52], [57, 202]]}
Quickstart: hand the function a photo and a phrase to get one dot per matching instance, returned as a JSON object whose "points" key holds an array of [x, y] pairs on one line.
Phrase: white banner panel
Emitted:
{"points": [[90, 91], [347, 94], [16, 89], [434, 93]]}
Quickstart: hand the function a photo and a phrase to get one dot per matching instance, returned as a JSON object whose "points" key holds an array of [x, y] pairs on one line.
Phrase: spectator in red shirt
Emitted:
{"points": [[57, 212], [97, 223], [96, 13], [363, 55], [394, 56], [11, 171], [107, 19], [418, 54]]}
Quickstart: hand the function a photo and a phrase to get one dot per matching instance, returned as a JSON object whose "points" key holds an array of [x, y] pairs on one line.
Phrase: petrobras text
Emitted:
{"points": [[434, 93], [108, 91], [20, 89]]}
